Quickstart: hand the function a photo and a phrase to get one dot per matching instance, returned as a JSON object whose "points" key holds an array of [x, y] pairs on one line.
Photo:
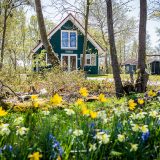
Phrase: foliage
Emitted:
{"points": [[84, 130]]}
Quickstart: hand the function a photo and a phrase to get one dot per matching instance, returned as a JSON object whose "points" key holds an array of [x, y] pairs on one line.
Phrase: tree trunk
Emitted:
{"points": [[142, 78], [51, 55], [114, 60], [3, 37], [85, 35]]}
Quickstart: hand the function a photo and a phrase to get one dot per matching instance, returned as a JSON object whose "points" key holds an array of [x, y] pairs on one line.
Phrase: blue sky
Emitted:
{"points": [[51, 13]]}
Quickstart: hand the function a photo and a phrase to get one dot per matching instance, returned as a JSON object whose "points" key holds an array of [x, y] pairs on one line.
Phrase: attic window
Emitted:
{"points": [[68, 39]]}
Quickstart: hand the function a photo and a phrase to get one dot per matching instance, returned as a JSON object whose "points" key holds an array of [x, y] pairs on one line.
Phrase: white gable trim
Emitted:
{"points": [[79, 26]]}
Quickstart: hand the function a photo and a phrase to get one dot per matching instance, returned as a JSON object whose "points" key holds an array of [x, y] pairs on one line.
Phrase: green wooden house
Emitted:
{"points": [[67, 40]]}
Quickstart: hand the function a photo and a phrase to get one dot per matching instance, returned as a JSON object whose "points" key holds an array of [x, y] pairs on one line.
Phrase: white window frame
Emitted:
{"points": [[69, 60], [69, 47], [90, 57]]}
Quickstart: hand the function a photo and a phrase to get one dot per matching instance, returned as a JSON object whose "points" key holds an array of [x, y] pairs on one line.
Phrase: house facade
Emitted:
{"points": [[67, 40]]}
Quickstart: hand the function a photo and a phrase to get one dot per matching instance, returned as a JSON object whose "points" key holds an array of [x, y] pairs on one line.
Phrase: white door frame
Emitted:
{"points": [[69, 60]]}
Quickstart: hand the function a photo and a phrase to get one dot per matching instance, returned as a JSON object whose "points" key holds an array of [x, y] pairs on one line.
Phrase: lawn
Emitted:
{"points": [[154, 78], [104, 128]]}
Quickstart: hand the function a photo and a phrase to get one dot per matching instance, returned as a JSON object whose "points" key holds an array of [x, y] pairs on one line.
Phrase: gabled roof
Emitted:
{"points": [[79, 26], [132, 61]]}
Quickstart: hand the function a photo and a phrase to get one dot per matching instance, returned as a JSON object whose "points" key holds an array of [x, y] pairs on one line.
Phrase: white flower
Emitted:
{"points": [[135, 127], [102, 115], [121, 137], [102, 137], [153, 114], [92, 147], [4, 130], [141, 115], [134, 147], [18, 120], [78, 132], [69, 111], [144, 128], [133, 116], [21, 131], [46, 113]]}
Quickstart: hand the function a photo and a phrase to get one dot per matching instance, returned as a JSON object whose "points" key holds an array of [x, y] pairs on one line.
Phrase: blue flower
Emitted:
{"points": [[55, 146], [145, 136], [91, 125], [8, 148]]}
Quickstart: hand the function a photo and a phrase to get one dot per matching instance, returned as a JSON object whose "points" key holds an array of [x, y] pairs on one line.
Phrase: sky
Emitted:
{"points": [[51, 13]]}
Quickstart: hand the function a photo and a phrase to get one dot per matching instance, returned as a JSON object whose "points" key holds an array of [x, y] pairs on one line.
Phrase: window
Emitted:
{"points": [[69, 39], [90, 59]]}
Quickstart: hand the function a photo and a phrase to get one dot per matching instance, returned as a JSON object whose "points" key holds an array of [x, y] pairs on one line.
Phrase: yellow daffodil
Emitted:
{"points": [[102, 98], [132, 104], [85, 111], [56, 99], [79, 101], [35, 156], [34, 97], [59, 158], [144, 128], [121, 137], [2, 112], [140, 101], [93, 114], [134, 147], [83, 91], [36, 104], [151, 93]]}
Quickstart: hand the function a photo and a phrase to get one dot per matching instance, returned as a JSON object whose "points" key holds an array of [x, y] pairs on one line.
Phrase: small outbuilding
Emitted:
{"points": [[154, 65], [130, 65]]}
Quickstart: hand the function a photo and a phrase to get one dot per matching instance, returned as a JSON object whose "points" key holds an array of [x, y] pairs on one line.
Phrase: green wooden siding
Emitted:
{"points": [[56, 44]]}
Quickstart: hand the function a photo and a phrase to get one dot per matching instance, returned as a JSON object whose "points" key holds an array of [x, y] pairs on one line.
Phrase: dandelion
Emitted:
{"points": [[21, 131], [151, 93], [83, 91], [34, 97], [35, 156], [121, 137], [92, 147], [153, 114], [2, 112], [135, 127], [140, 101], [144, 128], [56, 99], [79, 101], [78, 132], [4, 129], [69, 111], [102, 98], [132, 104], [134, 147], [93, 114]]}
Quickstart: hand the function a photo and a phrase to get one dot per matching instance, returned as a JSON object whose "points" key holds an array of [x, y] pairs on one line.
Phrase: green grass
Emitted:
{"points": [[153, 78]]}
